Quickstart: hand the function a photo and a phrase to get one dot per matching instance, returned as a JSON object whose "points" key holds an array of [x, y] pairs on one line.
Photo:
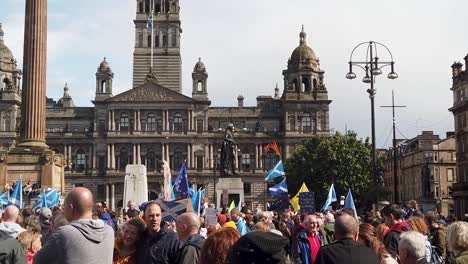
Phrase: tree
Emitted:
{"points": [[320, 161]]}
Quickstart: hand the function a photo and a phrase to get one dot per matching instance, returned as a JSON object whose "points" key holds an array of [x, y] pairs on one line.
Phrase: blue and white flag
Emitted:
{"points": [[277, 171], [279, 188], [349, 203], [149, 22], [17, 196], [47, 199], [196, 200], [181, 185], [330, 198], [3, 199]]}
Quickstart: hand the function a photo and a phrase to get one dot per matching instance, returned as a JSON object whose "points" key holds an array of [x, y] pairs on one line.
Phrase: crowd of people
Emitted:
{"points": [[82, 231]]}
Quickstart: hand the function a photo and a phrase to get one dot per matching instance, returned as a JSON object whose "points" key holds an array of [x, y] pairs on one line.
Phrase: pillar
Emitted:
{"points": [[260, 160], [94, 156], [139, 154], [236, 161], [113, 156], [109, 121], [287, 150], [90, 155], [65, 152], [189, 157], [69, 154], [33, 106], [113, 120], [167, 154], [286, 122], [163, 152], [134, 153], [112, 204], [109, 165], [107, 193], [211, 156], [167, 120], [189, 120], [256, 157], [206, 157], [194, 162]]}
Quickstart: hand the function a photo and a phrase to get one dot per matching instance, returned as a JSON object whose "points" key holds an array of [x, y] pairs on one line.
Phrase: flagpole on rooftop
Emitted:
{"points": [[152, 32]]}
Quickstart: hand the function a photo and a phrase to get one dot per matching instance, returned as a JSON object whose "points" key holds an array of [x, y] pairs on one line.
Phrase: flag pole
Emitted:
{"points": [[152, 33]]}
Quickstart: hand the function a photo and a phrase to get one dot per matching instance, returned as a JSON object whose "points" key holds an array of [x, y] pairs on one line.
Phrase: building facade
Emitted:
{"points": [[426, 171], [460, 114], [154, 121]]}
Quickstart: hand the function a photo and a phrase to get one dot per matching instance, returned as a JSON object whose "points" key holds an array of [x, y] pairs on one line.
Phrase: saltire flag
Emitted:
{"points": [[280, 204], [279, 188], [276, 172], [16, 198], [196, 200], [3, 199], [171, 209], [272, 146], [295, 200], [232, 206], [149, 22], [167, 187], [349, 203], [330, 198], [47, 199], [181, 185]]}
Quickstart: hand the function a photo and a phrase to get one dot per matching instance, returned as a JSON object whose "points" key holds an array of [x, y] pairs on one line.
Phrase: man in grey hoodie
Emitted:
{"points": [[9, 228], [83, 240]]}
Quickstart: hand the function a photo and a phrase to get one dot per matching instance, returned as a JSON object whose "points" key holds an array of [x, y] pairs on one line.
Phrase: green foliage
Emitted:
{"points": [[320, 161]]}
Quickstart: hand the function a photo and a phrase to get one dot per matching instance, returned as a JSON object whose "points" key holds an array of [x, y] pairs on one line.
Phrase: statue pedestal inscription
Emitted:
{"points": [[136, 184], [227, 186]]}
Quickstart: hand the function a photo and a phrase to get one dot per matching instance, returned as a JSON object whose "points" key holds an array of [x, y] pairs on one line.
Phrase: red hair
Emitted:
{"points": [[218, 245], [367, 235]]}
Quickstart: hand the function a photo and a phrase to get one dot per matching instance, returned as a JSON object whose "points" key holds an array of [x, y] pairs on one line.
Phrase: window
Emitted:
{"points": [[159, 125], [450, 192], [151, 160], [123, 158], [269, 160], [157, 41], [306, 122], [164, 41], [140, 8], [199, 126], [178, 122], [151, 122], [436, 175], [436, 155], [247, 188], [102, 125], [174, 38], [436, 191], [246, 161], [149, 41], [178, 158], [80, 163], [124, 122], [450, 175]]}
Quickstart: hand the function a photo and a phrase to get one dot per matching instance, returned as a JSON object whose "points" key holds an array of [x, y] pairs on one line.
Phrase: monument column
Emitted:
{"points": [[33, 106]]}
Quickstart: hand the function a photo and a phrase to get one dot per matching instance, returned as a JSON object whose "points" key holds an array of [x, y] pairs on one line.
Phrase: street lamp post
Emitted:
{"points": [[372, 67]]}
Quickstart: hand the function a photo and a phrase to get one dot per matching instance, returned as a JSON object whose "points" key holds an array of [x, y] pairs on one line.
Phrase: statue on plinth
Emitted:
{"points": [[227, 164]]}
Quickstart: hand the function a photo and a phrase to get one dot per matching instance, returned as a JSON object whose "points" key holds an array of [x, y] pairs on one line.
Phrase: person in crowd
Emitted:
{"points": [[132, 210], [45, 214], [260, 226], [380, 231], [457, 242], [367, 235], [187, 226], [346, 249], [125, 245], [411, 248], [413, 208], [32, 224], [249, 222], [11, 252], [217, 246], [83, 240], [298, 224], [418, 224], [240, 224], [306, 245], [329, 227], [222, 219], [104, 215], [259, 248], [266, 217], [9, 228], [158, 244], [393, 218], [437, 235], [58, 220], [31, 243], [211, 229]]}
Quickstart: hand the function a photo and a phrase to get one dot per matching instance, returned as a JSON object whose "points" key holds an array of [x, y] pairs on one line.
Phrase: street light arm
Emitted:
{"points": [[391, 55], [352, 52]]}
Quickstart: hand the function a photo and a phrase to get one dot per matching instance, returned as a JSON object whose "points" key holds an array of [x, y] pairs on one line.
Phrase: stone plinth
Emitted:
{"points": [[226, 186], [34, 165]]}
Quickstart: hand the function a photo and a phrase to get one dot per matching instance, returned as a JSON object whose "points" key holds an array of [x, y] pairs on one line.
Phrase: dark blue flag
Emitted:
{"points": [[181, 185]]}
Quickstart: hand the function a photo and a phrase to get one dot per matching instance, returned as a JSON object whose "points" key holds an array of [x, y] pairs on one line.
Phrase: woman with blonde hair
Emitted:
{"points": [[125, 245], [380, 231], [367, 235], [457, 241]]}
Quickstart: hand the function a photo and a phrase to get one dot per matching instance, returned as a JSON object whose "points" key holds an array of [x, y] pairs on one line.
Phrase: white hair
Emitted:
{"points": [[413, 244]]}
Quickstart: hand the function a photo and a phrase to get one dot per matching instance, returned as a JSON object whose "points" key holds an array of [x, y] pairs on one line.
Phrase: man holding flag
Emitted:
{"points": [[16, 198]]}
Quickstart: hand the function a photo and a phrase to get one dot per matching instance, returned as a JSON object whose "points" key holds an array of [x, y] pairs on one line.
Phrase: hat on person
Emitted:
{"points": [[230, 224], [45, 213], [258, 247], [222, 219]]}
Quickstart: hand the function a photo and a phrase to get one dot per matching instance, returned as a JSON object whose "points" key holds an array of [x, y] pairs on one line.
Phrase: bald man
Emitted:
{"points": [[83, 240], [9, 228], [188, 226], [346, 249]]}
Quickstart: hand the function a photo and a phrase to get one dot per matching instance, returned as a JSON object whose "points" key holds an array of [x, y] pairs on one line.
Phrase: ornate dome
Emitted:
{"points": [[303, 53], [6, 56], [199, 67], [104, 66]]}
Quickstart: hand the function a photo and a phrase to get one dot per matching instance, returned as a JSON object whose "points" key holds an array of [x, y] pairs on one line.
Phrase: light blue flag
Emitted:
{"points": [[349, 203], [3, 199], [51, 198], [172, 190], [39, 202], [17, 197], [149, 22], [330, 198], [279, 188], [196, 202], [277, 171]]}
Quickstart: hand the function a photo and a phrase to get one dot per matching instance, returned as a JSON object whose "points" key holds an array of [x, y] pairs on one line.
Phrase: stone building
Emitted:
{"points": [[426, 171], [154, 121], [460, 114]]}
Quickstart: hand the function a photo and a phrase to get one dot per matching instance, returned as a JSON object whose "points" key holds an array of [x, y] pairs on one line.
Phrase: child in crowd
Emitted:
{"points": [[31, 243]]}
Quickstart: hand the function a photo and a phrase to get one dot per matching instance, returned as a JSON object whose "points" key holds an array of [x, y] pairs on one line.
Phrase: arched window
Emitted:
{"points": [[123, 158], [200, 86], [178, 122], [164, 41], [166, 6], [80, 162], [151, 160], [305, 84], [306, 122], [157, 41], [157, 8], [124, 123], [151, 122], [103, 86], [147, 6], [178, 159], [149, 41], [5, 84]]}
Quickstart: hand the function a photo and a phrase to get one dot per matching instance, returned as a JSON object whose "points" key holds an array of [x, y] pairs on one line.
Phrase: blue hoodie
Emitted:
{"points": [[105, 216]]}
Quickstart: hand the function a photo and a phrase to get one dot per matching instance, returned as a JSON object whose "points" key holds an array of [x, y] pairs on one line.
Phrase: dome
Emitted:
{"points": [[6, 56], [199, 67], [303, 54], [104, 66]]}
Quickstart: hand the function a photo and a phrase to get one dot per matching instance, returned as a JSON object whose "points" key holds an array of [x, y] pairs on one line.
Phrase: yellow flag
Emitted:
{"points": [[295, 200], [232, 206]]}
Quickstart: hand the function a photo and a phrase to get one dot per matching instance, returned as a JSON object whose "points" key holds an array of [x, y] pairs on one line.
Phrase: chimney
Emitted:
{"points": [[240, 100], [457, 68], [449, 134]]}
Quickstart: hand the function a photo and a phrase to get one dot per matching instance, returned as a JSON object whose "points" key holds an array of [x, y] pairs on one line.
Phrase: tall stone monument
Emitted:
{"points": [[31, 159]]}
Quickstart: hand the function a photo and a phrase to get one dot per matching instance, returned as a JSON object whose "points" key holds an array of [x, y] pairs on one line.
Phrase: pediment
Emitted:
{"points": [[151, 92]]}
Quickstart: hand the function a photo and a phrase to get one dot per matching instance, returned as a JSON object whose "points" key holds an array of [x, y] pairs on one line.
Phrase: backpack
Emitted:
{"points": [[435, 257]]}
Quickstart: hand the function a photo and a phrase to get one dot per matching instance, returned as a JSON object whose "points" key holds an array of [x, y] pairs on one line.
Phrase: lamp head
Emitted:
{"points": [[376, 72], [350, 75], [392, 75]]}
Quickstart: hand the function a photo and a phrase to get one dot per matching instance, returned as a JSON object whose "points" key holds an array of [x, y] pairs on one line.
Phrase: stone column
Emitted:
{"points": [[107, 193], [112, 203], [65, 153], [109, 122], [109, 165], [139, 120], [286, 122], [211, 156], [134, 153], [167, 155], [167, 120], [206, 157], [256, 157], [94, 156], [189, 157], [113, 156], [189, 120], [69, 154], [139, 154], [286, 146], [33, 106], [163, 152], [260, 157], [90, 155], [113, 120]]}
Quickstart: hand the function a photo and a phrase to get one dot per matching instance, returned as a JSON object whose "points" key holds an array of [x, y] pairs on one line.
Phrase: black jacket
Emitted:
{"points": [[189, 253], [161, 248], [392, 237], [346, 251], [11, 252]]}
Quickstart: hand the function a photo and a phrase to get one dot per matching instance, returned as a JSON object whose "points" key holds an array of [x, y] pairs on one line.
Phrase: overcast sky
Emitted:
{"points": [[245, 45]]}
